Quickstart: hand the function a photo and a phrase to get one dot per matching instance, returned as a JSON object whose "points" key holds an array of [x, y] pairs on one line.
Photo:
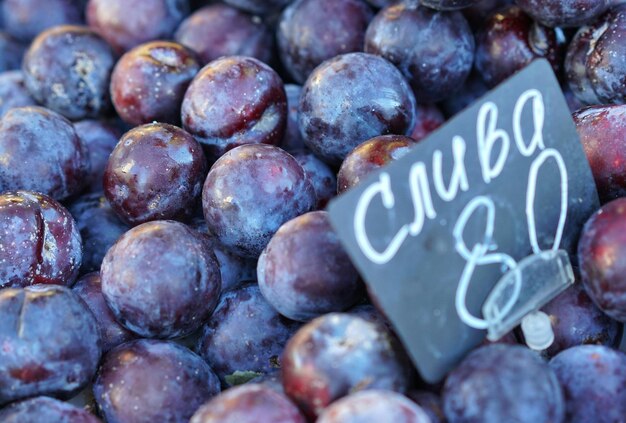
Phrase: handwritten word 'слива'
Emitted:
{"points": [[494, 145]]}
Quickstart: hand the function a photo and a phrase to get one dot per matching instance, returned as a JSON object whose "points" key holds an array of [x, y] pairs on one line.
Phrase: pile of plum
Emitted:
{"points": [[165, 255]]}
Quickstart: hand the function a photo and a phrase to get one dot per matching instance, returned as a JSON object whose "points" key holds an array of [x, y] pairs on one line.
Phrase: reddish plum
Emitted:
{"points": [[338, 354], [602, 131], [50, 343], [250, 192], [39, 241], [602, 258], [233, 101], [161, 280], [339, 109], [369, 156], [148, 82], [428, 118], [155, 172], [595, 62], [509, 40], [373, 407], [250, 403]]}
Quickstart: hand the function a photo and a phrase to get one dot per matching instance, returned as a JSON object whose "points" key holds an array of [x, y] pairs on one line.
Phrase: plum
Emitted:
{"points": [[50, 343]]}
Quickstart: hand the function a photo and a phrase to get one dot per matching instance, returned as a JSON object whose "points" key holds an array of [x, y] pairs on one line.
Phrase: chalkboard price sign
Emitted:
{"points": [[433, 232]]}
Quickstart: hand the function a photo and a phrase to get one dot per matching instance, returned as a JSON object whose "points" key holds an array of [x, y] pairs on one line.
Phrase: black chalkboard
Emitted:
{"points": [[513, 159]]}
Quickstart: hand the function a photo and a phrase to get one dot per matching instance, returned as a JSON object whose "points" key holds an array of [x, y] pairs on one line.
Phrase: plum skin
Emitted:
{"points": [[161, 280], [148, 380], [601, 258], [40, 242], [50, 343]]}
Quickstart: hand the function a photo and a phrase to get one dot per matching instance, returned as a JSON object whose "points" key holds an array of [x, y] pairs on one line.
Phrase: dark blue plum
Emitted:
{"points": [[153, 381], [321, 176], [312, 31], [576, 321], [245, 336], [50, 343], [161, 280], [473, 88], [13, 92], [100, 138], [593, 378], [431, 404], [11, 52], [503, 383], [25, 19], [89, 289], [292, 141], [250, 192], [339, 109], [45, 410], [595, 64], [41, 152], [304, 272], [235, 270], [262, 7], [99, 228], [220, 30], [128, 23], [434, 50], [67, 69], [564, 13]]}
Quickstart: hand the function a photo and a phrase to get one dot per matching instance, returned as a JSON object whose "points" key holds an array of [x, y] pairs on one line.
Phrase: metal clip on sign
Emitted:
{"points": [[519, 294]]}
